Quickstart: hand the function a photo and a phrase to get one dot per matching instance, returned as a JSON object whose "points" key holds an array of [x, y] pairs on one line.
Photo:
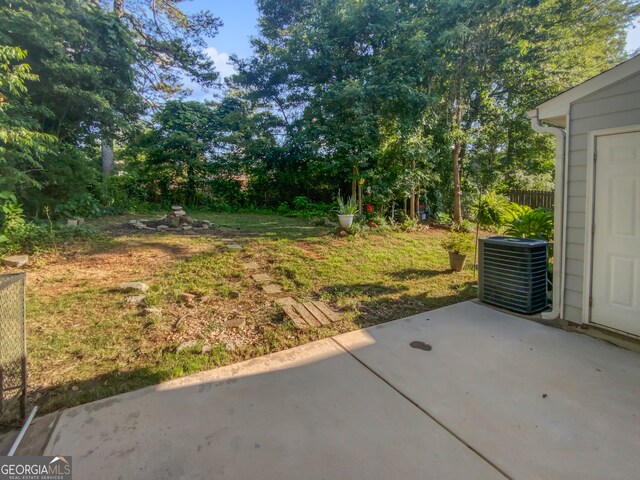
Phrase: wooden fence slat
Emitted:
{"points": [[532, 198]]}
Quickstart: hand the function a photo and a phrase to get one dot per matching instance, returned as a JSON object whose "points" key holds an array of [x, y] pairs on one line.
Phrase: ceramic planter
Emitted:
{"points": [[345, 220], [456, 261]]}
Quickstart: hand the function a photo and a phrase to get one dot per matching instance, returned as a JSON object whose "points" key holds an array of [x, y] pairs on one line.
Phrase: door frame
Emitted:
{"points": [[590, 212]]}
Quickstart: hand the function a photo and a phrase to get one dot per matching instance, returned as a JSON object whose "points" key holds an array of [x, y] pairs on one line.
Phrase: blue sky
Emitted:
{"points": [[240, 18]]}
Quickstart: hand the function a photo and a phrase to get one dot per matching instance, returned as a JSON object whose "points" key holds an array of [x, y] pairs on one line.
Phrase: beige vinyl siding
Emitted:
{"points": [[617, 105]]}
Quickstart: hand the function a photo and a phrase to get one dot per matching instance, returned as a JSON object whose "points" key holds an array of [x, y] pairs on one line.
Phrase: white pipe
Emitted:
{"points": [[23, 430], [558, 227]]}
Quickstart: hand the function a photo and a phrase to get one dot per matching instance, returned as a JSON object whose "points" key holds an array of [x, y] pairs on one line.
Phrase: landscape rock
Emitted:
{"points": [[162, 228], [179, 213], [133, 287], [16, 261], [206, 348], [186, 227], [234, 294], [187, 298], [75, 388], [152, 311], [135, 299], [235, 323], [261, 277], [319, 221], [250, 266], [72, 223], [271, 288], [185, 345], [133, 222], [176, 208], [234, 246]]}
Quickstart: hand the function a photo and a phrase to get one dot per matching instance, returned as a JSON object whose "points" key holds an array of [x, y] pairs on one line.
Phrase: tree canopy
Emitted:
{"points": [[395, 102]]}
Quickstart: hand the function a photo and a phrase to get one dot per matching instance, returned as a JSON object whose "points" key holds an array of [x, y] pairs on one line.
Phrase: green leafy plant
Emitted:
{"points": [[458, 243], [491, 209], [347, 208], [532, 224], [514, 211], [84, 205]]}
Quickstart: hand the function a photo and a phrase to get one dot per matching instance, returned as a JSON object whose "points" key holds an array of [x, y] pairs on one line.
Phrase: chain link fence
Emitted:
{"points": [[13, 348]]}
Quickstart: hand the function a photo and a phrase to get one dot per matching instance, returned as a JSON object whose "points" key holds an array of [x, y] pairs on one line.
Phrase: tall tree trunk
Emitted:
{"points": [[455, 161], [412, 204], [106, 152], [354, 183]]}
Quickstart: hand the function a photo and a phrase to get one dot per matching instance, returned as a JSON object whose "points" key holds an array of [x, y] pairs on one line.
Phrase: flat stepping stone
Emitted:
{"points": [[16, 261], [133, 287], [250, 266], [261, 277], [310, 314], [271, 288], [235, 323], [234, 246], [283, 301]]}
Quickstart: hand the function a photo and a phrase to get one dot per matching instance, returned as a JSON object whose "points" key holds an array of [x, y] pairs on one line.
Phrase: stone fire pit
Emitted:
{"points": [[176, 220]]}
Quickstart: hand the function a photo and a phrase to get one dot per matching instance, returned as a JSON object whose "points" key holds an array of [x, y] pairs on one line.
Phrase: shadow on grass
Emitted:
{"points": [[373, 289], [173, 365], [416, 273], [377, 307]]}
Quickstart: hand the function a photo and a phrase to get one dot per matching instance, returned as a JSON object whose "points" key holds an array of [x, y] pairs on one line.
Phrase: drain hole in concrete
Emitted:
{"points": [[420, 345]]}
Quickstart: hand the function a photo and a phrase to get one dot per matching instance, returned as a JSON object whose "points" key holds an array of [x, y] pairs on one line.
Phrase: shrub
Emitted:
{"points": [[514, 211], [84, 205], [458, 243], [532, 224], [491, 209]]}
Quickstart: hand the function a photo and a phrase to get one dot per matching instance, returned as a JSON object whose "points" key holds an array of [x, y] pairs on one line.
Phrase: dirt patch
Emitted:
{"points": [[309, 249]]}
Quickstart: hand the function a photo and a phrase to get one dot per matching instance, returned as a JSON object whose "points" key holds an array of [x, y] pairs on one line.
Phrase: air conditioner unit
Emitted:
{"points": [[512, 273]]}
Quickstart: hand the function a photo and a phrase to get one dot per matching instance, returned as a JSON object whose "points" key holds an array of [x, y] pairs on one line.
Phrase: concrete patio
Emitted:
{"points": [[464, 392]]}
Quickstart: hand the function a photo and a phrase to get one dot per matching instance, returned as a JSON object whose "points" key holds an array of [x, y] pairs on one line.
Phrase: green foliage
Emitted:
{"points": [[78, 83], [458, 242], [491, 209], [19, 235], [513, 211], [350, 207], [85, 205], [532, 224]]}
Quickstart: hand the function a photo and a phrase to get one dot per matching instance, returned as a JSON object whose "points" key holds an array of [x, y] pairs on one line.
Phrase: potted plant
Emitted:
{"points": [[458, 245], [346, 211]]}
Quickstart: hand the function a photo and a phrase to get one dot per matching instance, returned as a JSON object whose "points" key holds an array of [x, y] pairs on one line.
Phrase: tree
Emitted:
{"points": [[171, 44], [21, 145], [83, 58]]}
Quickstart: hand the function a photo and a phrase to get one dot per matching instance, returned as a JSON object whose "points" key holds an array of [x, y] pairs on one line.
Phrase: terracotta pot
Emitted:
{"points": [[345, 221], [456, 261]]}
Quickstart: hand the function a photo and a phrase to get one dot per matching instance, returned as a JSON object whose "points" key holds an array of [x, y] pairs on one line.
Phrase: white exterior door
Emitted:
{"points": [[615, 290]]}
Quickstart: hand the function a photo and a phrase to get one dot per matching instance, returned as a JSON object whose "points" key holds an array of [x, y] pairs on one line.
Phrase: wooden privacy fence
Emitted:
{"points": [[532, 198]]}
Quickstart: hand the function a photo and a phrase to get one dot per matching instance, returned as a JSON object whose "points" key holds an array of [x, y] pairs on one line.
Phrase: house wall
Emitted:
{"points": [[615, 106]]}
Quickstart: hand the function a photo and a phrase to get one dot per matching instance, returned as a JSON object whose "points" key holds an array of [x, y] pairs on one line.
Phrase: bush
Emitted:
{"points": [[491, 209], [532, 224], [513, 211], [458, 243], [84, 205]]}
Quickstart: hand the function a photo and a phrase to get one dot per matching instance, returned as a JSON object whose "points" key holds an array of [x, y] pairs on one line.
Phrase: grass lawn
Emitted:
{"points": [[86, 342]]}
